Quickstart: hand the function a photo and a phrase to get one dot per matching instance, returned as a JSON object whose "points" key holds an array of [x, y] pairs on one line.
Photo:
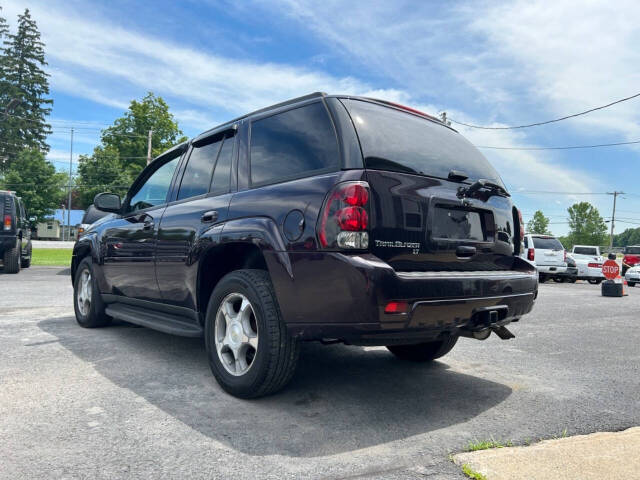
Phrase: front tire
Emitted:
{"points": [[12, 260], [87, 301], [594, 281], [424, 352], [631, 284], [251, 353]]}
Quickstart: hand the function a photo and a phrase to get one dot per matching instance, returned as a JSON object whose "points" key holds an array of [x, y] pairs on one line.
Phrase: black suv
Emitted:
{"points": [[15, 233], [331, 218]]}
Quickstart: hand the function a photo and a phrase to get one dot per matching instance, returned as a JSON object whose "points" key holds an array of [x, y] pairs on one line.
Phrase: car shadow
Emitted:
{"points": [[340, 399]]}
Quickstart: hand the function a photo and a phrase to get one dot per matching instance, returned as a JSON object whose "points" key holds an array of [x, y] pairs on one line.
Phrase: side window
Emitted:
{"points": [[292, 143], [197, 176], [154, 191], [526, 242], [222, 172]]}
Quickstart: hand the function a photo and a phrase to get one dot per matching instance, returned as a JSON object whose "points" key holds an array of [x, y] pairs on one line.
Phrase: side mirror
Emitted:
{"points": [[107, 202]]}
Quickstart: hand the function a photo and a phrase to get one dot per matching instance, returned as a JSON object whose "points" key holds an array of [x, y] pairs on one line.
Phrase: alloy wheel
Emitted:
{"points": [[236, 334]]}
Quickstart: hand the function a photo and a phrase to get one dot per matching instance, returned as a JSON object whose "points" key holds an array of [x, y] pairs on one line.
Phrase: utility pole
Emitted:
{"points": [[70, 177], [149, 147], [613, 216]]}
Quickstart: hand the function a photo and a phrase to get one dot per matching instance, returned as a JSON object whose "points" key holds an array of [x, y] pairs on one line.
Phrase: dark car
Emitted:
{"points": [[91, 215], [329, 218], [15, 233], [570, 275]]}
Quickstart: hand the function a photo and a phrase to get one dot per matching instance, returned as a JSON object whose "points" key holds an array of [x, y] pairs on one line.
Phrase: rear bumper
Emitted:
{"points": [[7, 242], [551, 269], [335, 296]]}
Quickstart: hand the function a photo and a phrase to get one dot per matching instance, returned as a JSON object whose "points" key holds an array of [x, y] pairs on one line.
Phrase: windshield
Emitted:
{"points": [[547, 243], [395, 140], [632, 250], [585, 250]]}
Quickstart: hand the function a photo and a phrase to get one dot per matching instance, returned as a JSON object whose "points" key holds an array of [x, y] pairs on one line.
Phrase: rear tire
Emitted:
{"points": [[26, 261], [558, 279], [250, 351], [424, 352], [594, 281], [631, 284], [11, 259], [87, 301]]}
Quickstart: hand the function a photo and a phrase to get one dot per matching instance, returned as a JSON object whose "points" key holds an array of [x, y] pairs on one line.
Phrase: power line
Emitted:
{"points": [[548, 121], [572, 147], [543, 192]]}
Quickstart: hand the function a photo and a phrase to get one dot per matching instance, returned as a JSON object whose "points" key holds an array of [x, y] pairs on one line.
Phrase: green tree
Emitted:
{"points": [[538, 224], [586, 226], [36, 181], [631, 236], [128, 135], [24, 79], [101, 172]]}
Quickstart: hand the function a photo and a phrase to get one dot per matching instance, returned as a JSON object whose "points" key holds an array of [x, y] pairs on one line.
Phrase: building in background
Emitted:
{"points": [[55, 228]]}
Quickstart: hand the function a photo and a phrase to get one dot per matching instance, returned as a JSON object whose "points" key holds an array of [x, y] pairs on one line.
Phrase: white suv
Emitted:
{"points": [[547, 253]]}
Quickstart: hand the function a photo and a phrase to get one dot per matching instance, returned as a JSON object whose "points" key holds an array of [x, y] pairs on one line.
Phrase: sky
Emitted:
{"points": [[484, 63]]}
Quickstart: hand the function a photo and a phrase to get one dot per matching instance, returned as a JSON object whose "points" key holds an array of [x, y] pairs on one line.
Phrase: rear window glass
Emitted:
{"points": [[292, 143], [585, 250], [547, 243], [632, 250], [399, 141]]}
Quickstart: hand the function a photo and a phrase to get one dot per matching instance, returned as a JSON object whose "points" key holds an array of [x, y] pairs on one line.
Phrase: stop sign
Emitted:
{"points": [[610, 269]]}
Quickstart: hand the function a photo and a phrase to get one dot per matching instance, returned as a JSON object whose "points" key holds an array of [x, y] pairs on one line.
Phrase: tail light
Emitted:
{"points": [[531, 254], [565, 255], [7, 222], [344, 218], [397, 307], [521, 225]]}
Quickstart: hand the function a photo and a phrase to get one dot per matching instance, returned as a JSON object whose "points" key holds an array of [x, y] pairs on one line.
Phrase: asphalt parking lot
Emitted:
{"points": [[131, 402]]}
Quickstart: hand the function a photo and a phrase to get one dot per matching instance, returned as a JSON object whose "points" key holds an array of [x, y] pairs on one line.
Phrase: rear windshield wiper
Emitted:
{"points": [[482, 188]]}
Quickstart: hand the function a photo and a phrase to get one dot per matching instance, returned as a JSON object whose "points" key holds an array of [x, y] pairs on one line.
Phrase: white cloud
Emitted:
{"points": [[102, 62]]}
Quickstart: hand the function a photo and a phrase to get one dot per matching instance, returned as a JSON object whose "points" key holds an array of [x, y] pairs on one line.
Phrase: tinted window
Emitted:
{"points": [[395, 140], [585, 250], [292, 143], [547, 243], [222, 172], [632, 250], [154, 191], [197, 176]]}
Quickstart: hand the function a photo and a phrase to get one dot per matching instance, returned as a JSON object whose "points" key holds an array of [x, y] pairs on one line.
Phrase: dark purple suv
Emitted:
{"points": [[330, 218]]}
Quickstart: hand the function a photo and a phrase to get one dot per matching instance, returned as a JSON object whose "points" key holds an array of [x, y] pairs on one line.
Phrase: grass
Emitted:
{"points": [[51, 256], [487, 444], [471, 473]]}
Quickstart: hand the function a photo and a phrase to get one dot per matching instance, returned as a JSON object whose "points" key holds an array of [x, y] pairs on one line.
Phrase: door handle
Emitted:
{"points": [[464, 251], [210, 216], [148, 225]]}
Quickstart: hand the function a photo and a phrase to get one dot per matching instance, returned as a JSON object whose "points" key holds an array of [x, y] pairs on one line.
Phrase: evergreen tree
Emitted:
{"points": [[22, 61]]}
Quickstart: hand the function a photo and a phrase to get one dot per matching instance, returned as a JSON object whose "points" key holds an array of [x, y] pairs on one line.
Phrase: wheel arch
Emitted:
{"points": [[245, 243]]}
